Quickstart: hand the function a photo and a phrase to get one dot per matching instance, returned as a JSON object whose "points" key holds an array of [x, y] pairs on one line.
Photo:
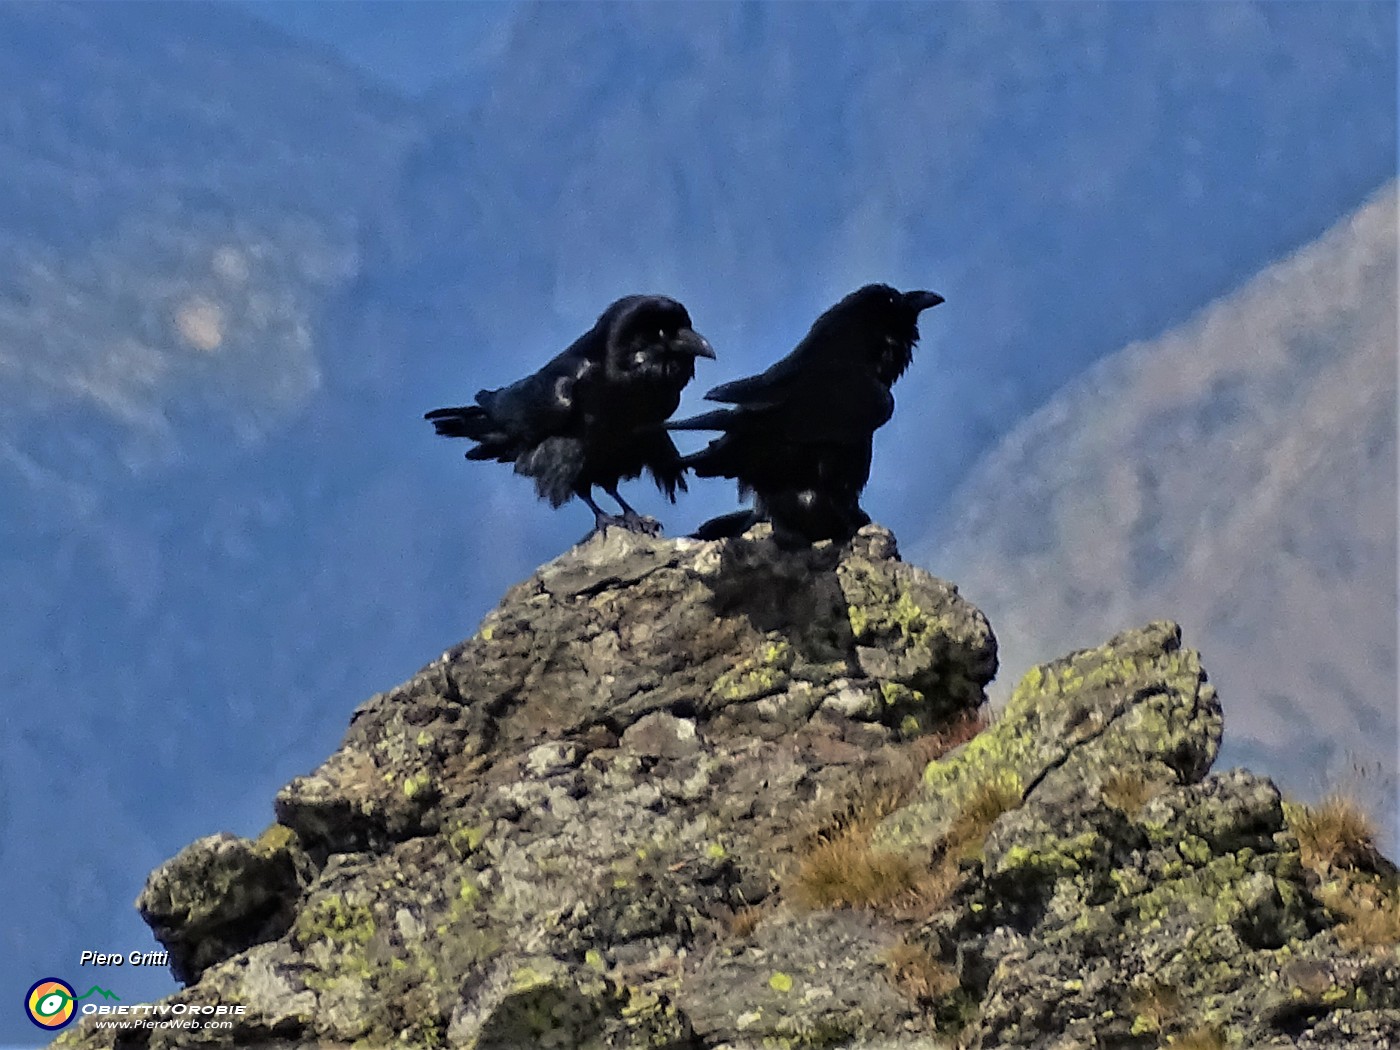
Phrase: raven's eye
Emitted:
{"points": [[661, 334]]}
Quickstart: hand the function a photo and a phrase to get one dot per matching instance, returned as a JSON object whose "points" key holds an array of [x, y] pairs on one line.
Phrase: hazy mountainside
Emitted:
{"points": [[179, 190], [233, 273], [1239, 472], [1072, 177]]}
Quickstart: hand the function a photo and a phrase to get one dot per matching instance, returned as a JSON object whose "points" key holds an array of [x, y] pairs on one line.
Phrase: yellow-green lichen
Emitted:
{"points": [[465, 839], [778, 654], [527, 977], [1144, 1025], [468, 894], [1055, 858], [274, 839], [890, 610], [333, 919], [1017, 743], [640, 1003], [859, 619], [780, 982], [336, 934], [755, 678]]}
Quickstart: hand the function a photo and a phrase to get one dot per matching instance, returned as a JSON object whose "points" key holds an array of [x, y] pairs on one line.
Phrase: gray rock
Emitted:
{"points": [[223, 894], [583, 828]]}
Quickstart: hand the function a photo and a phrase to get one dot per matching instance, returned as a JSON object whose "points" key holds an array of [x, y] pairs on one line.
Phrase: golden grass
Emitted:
{"points": [[840, 866], [1127, 791], [844, 870], [1335, 833], [1155, 1003], [984, 803], [918, 974], [744, 921], [931, 746], [1336, 838], [1370, 912]]}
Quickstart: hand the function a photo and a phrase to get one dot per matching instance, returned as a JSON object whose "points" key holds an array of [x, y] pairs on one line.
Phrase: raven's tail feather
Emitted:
{"points": [[466, 421], [474, 423], [727, 526], [718, 419]]}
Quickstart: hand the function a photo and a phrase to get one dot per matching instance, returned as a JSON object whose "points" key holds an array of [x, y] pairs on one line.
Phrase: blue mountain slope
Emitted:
{"points": [[1239, 474], [1068, 176]]}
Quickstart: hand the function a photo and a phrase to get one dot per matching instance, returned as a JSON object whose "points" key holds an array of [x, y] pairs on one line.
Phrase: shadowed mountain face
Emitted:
{"points": [[1241, 472], [233, 273]]}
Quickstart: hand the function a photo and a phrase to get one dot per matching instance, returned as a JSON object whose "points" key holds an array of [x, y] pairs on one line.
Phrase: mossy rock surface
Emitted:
{"points": [[579, 829], [1130, 898], [538, 839]]}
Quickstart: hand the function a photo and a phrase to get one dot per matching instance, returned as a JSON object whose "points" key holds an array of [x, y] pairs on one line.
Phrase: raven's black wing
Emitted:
{"points": [[510, 421], [822, 406]]}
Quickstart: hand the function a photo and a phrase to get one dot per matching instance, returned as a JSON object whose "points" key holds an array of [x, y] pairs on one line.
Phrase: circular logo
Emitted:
{"points": [[50, 1003]]}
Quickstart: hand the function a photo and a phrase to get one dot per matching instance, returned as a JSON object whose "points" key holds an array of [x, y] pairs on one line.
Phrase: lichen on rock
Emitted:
{"points": [[579, 828]]}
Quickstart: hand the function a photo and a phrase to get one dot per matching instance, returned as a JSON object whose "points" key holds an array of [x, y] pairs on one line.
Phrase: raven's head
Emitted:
{"points": [[884, 323], [650, 338]]}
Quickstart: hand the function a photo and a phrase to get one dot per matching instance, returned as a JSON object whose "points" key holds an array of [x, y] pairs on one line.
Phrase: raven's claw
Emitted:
{"points": [[634, 522], [630, 520]]}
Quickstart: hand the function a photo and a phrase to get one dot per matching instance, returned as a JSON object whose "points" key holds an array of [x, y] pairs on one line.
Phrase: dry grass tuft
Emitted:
{"points": [[996, 795], [932, 746], [1205, 1037], [1336, 833], [841, 868], [1127, 791], [1370, 912], [1336, 838], [1155, 1003], [844, 870], [744, 921], [918, 974]]}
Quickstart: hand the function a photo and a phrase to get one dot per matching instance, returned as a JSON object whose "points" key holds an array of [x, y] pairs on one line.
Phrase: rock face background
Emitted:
{"points": [[1206, 475], [679, 794]]}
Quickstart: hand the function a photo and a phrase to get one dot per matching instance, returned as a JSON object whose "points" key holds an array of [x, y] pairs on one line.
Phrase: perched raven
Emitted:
{"points": [[594, 414], [798, 437]]}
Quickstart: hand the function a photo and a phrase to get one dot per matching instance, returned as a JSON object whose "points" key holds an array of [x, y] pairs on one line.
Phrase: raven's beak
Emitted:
{"points": [[690, 341], [922, 300]]}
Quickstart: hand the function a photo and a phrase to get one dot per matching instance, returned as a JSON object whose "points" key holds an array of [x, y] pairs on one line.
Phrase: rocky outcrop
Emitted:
{"points": [[1129, 899], [678, 794]]}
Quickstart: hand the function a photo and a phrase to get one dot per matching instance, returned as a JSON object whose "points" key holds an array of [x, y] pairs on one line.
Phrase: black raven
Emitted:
{"points": [[594, 414], [798, 437]]}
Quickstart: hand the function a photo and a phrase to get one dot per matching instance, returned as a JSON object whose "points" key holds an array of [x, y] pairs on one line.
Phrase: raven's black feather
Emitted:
{"points": [[798, 436], [593, 415]]}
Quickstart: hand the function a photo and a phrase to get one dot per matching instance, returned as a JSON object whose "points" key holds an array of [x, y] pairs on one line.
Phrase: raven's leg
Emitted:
{"points": [[600, 520], [630, 518]]}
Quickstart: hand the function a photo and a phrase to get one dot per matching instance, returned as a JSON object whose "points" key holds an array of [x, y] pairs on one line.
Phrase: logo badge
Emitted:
{"points": [[50, 1003]]}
